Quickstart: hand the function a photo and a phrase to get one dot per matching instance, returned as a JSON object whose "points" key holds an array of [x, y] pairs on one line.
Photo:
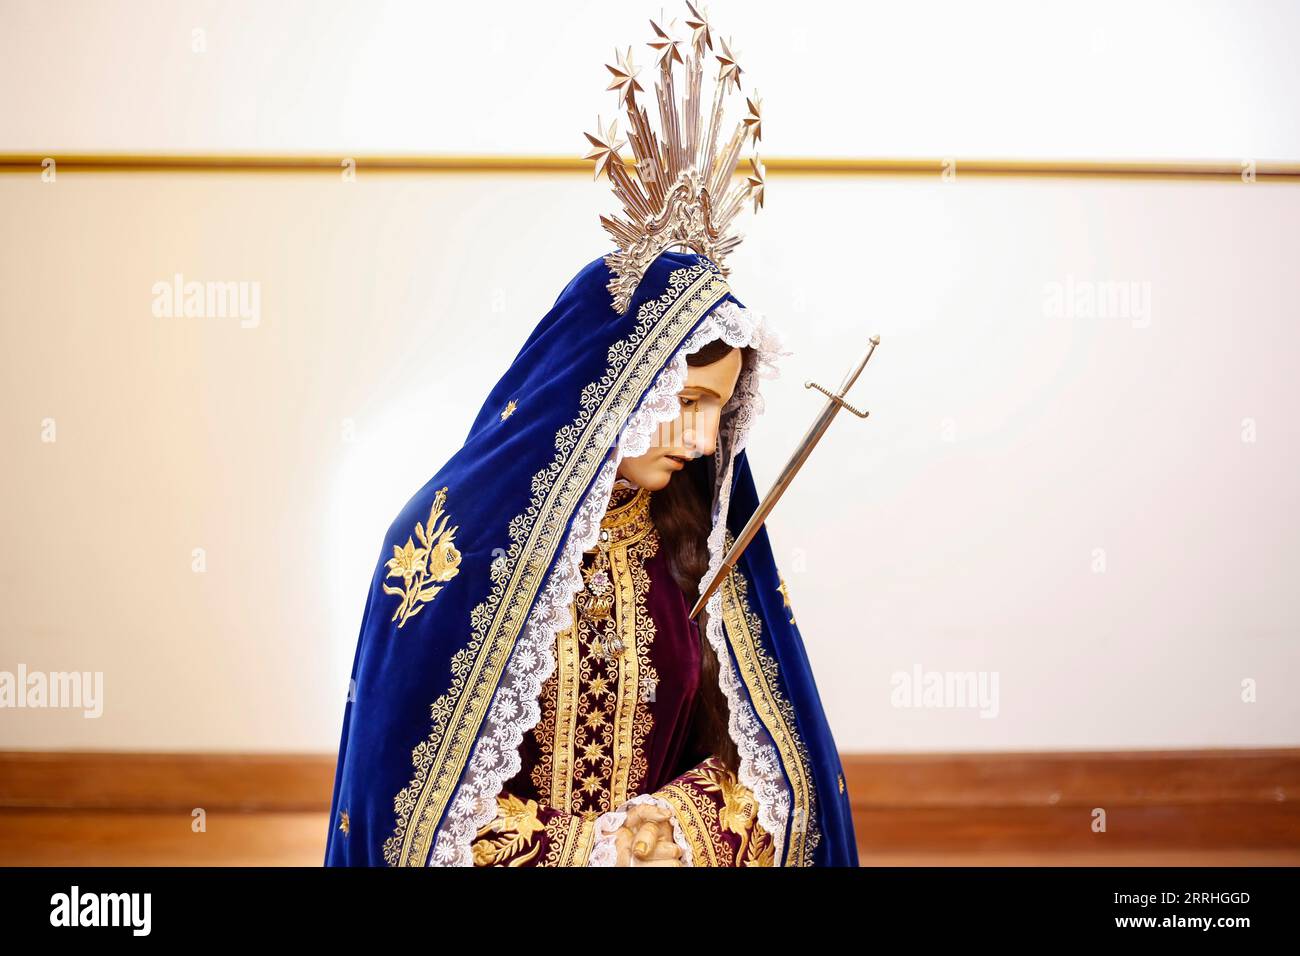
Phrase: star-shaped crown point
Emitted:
{"points": [[624, 77], [730, 66], [754, 121], [666, 44], [701, 35], [605, 147], [757, 181]]}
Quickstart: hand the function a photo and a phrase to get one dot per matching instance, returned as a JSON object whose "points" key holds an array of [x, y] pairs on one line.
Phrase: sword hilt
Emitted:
{"points": [[837, 399]]}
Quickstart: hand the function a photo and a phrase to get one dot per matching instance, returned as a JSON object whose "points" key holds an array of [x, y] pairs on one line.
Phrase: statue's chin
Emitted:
{"points": [[651, 475], [657, 482]]}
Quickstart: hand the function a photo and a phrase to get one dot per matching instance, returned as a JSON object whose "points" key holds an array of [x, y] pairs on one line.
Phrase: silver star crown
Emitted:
{"points": [[678, 190]]}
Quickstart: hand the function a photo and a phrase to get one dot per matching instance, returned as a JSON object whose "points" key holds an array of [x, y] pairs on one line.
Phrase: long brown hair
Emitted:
{"points": [[681, 512]]}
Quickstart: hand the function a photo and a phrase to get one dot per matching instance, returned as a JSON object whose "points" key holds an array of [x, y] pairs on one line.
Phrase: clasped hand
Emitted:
{"points": [[646, 838]]}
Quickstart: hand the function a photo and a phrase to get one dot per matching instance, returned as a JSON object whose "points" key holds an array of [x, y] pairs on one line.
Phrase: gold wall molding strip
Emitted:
{"points": [[1224, 170]]}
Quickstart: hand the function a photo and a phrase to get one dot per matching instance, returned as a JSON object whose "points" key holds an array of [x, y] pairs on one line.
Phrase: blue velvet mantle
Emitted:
{"points": [[462, 564]]}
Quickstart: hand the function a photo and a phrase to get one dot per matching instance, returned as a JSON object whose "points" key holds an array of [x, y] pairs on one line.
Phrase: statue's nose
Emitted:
{"points": [[702, 439]]}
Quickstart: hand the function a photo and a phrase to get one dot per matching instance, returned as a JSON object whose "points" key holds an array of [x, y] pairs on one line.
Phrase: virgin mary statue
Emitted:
{"points": [[529, 688]]}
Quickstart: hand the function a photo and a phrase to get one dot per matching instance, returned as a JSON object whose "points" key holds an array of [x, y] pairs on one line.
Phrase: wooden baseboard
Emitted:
{"points": [[1057, 803], [1026, 807], [1085, 778], [151, 782]]}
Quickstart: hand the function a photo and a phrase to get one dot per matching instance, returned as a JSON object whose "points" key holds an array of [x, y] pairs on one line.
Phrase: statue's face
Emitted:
{"points": [[694, 433]]}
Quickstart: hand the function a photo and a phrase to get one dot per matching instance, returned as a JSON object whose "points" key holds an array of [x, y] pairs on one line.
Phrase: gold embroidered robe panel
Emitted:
{"points": [[618, 718]]}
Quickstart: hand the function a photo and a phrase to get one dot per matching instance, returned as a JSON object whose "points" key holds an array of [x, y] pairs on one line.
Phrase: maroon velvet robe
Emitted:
{"points": [[617, 722]]}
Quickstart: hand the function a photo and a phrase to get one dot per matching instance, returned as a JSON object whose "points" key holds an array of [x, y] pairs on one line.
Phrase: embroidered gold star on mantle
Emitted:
{"points": [[345, 823], [785, 598], [508, 410]]}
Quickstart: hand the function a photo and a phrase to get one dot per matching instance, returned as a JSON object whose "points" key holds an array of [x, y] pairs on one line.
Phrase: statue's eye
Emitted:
{"points": [[687, 401]]}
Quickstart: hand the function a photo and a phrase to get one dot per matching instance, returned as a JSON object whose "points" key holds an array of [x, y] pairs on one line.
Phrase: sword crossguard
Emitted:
{"points": [[837, 399]]}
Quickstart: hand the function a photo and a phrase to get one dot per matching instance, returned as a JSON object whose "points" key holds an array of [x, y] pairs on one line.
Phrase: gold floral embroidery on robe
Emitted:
{"points": [[719, 817], [424, 569], [516, 824], [526, 833]]}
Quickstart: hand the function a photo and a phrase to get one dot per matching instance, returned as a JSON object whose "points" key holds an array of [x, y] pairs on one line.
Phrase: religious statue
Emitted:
{"points": [[530, 685]]}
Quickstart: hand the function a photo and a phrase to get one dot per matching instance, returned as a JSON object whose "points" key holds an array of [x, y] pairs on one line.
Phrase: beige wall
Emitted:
{"points": [[954, 530]]}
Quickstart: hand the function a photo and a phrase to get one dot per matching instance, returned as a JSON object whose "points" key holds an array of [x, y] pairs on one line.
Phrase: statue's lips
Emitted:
{"points": [[678, 459]]}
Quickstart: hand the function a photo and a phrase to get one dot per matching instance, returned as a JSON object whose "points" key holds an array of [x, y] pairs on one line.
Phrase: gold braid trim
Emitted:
{"points": [[696, 826], [571, 845], [552, 774], [759, 672]]}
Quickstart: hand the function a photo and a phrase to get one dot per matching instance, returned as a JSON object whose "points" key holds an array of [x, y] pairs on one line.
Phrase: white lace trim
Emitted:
{"points": [[760, 765], [515, 708]]}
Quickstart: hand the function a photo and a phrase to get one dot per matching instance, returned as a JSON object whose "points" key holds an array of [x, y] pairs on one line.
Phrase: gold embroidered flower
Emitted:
{"points": [[516, 824], [423, 569], [739, 806], [518, 816], [444, 560], [407, 562]]}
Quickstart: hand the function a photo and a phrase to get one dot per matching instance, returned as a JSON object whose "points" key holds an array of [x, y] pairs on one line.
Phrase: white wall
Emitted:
{"points": [[1011, 443], [954, 530], [1108, 78]]}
